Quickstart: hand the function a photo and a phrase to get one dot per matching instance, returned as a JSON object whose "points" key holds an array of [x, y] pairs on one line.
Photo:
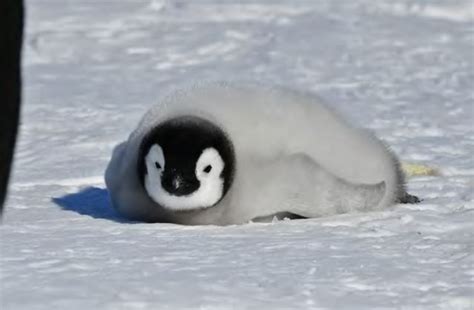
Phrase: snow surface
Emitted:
{"points": [[402, 68]]}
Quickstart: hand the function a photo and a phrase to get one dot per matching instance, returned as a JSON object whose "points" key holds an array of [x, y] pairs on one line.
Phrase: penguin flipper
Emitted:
{"points": [[308, 190]]}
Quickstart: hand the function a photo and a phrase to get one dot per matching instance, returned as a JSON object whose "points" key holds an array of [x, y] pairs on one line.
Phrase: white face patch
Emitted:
{"points": [[208, 171]]}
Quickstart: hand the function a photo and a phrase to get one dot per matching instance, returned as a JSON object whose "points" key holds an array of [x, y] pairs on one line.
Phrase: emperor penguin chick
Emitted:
{"points": [[225, 153]]}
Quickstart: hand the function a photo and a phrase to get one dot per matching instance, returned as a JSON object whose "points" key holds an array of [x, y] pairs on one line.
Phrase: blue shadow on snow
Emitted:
{"points": [[91, 201]]}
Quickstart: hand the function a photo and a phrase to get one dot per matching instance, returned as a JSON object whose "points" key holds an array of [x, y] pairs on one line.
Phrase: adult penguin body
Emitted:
{"points": [[269, 151]]}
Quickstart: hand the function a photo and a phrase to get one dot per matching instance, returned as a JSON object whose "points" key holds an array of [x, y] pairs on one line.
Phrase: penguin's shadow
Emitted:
{"points": [[91, 201]]}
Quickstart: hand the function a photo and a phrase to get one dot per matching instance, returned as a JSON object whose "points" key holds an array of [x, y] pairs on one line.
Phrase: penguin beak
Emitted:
{"points": [[177, 182], [178, 185]]}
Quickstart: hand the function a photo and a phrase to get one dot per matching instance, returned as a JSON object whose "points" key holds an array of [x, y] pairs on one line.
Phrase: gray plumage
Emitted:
{"points": [[292, 154]]}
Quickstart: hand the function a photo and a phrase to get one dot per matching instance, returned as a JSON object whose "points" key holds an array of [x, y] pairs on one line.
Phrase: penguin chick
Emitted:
{"points": [[186, 163], [224, 153]]}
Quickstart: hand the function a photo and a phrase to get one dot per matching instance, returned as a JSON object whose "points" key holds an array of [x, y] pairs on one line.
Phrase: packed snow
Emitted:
{"points": [[404, 69]]}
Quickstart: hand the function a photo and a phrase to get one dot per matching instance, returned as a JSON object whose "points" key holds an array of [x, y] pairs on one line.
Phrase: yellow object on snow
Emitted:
{"points": [[412, 170]]}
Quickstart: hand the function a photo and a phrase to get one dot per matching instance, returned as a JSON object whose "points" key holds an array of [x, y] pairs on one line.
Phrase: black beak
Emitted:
{"points": [[179, 185]]}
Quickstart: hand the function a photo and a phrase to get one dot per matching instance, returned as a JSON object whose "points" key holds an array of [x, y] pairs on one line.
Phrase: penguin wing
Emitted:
{"points": [[299, 185]]}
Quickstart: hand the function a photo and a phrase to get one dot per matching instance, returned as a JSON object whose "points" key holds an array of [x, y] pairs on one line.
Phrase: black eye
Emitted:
{"points": [[208, 169], [157, 165]]}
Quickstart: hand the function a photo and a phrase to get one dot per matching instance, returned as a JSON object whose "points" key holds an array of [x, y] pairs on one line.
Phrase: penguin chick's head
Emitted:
{"points": [[186, 163]]}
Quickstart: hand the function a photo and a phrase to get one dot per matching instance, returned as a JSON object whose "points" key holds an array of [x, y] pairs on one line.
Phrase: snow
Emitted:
{"points": [[402, 68]]}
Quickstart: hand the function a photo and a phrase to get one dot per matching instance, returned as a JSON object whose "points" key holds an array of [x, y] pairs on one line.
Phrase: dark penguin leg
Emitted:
{"points": [[407, 198], [11, 36], [280, 216]]}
